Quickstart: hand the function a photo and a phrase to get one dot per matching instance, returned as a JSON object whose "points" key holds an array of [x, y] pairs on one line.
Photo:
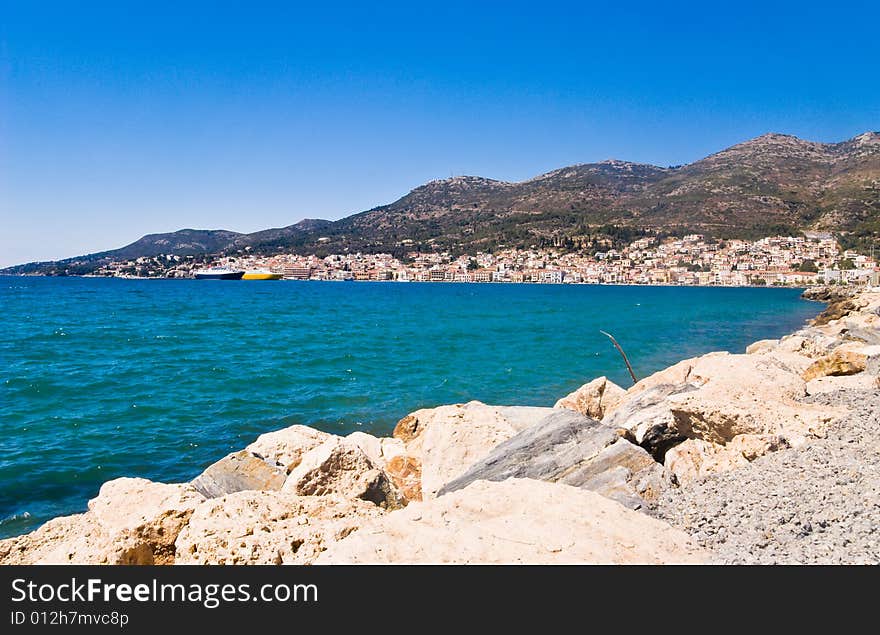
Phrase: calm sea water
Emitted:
{"points": [[101, 378]]}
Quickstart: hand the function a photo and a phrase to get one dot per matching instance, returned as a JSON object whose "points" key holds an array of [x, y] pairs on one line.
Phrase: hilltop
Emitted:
{"points": [[773, 184]]}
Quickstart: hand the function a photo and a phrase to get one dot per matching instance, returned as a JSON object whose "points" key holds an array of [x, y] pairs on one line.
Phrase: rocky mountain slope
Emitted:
{"points": [[185, 242], [769, 185]]}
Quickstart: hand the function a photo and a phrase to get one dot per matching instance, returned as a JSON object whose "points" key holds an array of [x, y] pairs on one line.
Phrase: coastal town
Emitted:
{"points": [[814, 258]]}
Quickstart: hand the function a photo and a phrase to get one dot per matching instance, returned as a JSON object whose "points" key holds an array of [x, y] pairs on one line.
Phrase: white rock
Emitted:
{"points": [[593, 398], [77, 539], [131, 521], [695, 459], [830, 383], [761, 346], [339, 466], [268, 528], [380, 450], [512, 522], [729, 395], [287, 446], [445, 441]]}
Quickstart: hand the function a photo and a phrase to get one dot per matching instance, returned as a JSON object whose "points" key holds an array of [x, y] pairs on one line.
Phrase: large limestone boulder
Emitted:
{"points": [[268, 528], [793, 362], [835, 311], [143, 517], [593, 398], [570, 448], [512, 522], [286, 446], [728, 395], [240, 471], [443, 442], [675, 375], [697, 426], [860, 382], [747, 394], [339, 466], [77, 539], [131, 521], [761, 346], [840, 362], [808, 342], [380, 450], [492, 424]]}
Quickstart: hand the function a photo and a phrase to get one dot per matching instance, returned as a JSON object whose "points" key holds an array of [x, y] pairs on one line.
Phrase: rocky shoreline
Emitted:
{"points": [[764, 457]]}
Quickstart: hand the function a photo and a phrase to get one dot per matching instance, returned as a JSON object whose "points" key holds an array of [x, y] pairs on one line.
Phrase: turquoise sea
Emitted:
{"points": [[101, 378]]}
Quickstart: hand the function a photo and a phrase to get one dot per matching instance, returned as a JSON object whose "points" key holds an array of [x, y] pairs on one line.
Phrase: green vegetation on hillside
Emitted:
{"points": [[771, 185]]}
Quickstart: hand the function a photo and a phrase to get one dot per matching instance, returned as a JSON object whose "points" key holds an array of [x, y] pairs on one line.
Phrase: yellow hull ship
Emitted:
{"points": [[261, 274]]}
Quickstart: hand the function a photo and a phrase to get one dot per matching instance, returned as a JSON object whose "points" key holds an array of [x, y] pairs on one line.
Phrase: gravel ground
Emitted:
{"points": [[817, 504]]}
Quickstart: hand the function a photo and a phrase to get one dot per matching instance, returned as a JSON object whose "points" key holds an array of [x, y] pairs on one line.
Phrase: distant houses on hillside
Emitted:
{"points": [[691, 260]]}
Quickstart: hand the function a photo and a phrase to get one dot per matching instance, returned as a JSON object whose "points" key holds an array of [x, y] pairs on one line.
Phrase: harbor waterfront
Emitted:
{"points": [[694, 259], [104, 378]]}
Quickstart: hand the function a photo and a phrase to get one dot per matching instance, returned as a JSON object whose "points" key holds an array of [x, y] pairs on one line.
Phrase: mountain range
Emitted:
{"points": [[773, 184]]}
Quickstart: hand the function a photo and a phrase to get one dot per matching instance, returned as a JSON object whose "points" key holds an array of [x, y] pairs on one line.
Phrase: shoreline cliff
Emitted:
{"points": [[719, 458]]}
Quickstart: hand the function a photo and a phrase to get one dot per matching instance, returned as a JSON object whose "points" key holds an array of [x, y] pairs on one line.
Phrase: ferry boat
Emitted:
{"points": [[218, 273], [261, 274]]}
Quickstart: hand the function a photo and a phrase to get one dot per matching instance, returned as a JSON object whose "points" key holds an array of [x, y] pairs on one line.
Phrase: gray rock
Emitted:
{"points": [[650, 419], [872, 366], [541, 452], [613, 483], [570, 448], [621, 471], [522, 417], [632, 408], [238, 472], [868, 336]]}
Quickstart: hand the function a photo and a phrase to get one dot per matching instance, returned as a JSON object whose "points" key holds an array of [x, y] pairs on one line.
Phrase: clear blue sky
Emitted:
{"points": [[124, 118]]}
